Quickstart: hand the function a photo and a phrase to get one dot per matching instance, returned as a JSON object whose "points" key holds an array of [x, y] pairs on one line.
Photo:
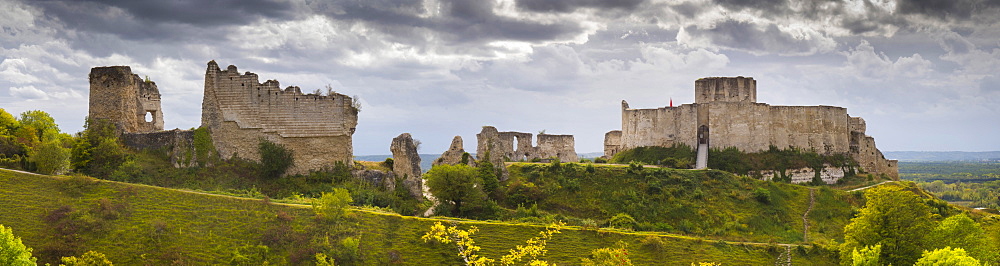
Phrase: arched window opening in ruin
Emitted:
{"points": [[149, 117]]}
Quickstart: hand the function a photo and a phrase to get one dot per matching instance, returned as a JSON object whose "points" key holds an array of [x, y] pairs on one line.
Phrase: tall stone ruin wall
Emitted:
{"points": [[240, 111], [612, 143], [118, 95]]}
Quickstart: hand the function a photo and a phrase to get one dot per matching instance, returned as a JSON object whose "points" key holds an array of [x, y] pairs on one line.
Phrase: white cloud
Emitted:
{"points": [[28, 93], [862, 60]]}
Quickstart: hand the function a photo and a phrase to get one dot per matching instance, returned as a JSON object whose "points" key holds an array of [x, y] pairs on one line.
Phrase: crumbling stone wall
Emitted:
{"points": [[406, 163], [239, 111], [558, 146], [118, 95], [179, 145], [612, 143], [727, 107], [500, 146], [454, 153]]}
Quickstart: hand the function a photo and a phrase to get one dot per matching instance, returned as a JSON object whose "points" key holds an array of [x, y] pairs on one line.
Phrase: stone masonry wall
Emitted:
{"points": [[728, 108], [239, 111], [724, 89], [500, 146], [612, 143], [118, 95], [179, 144]]}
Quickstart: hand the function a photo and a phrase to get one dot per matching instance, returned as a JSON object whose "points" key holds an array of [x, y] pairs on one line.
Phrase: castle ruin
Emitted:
{"points": [[118, 95], [237, 110], [500, 146], [726, 114]]}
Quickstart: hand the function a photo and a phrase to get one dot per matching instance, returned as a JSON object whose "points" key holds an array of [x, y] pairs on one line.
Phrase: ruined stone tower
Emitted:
{"points": [[125, 99], [726, 114], [239, 111]]}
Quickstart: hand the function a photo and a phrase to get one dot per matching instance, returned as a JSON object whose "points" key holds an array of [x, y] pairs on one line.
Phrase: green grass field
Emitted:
{"points": [[137, 224], [706, 203]]}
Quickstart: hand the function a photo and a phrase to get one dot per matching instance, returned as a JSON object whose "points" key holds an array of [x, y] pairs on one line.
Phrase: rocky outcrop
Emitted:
{"points": [[454, 154], [406, 163]]}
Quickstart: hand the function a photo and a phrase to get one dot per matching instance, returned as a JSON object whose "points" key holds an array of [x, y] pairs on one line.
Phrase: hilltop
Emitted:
{"points": [[138, 224]]}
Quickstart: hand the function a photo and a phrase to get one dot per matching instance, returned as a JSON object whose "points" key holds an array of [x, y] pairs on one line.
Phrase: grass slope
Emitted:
{"points": [[137, 224], [696, 202]]}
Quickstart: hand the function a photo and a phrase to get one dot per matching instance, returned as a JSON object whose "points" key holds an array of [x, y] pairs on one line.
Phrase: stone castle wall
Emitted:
{"points": [[239, 111], [727, 108], [118, 95], [719, 89]]}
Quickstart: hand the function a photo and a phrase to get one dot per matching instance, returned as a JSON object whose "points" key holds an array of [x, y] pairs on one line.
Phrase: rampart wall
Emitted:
{"points": [[240, 112]]}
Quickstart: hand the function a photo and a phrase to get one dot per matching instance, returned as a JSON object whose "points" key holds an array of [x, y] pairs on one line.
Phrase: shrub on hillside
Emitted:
{"points": [[622, 221], [275, 159], [331, 205]]}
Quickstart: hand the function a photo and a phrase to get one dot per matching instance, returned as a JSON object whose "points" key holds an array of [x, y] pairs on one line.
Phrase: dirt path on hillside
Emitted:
{"points": [[805, 216], [863, 188]]}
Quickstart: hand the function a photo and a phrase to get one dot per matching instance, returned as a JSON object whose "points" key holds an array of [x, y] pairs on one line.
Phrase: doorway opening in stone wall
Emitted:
{"points": [[149, 117], [703, 134]]}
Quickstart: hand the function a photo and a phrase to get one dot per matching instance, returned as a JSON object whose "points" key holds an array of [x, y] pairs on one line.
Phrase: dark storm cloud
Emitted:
{"points": [[160, 20], [460, 22], [564, 6], [688, 9], [756, 38], [945, 9]]}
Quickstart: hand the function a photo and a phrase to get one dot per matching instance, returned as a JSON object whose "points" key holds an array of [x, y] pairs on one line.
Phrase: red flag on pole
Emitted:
{"points": [[671, 101]]}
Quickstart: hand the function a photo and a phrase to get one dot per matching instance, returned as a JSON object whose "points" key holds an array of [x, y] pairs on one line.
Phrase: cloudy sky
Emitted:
{"points": [[923, 73]]}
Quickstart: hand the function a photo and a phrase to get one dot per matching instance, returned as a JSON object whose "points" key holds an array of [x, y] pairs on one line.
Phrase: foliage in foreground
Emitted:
{"points": [[897, 225], [467, 248], [12, 251]]}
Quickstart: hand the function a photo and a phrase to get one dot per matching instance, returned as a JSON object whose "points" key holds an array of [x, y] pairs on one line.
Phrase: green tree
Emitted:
{"points": [[275, 159], [42, 122], [51, 157], [960, 231], [454, 183], [488, 175], [947, 257], [91, 258], [7, 123], [867, 256], [331, 204], [896, 219], [97, 151], [12, 251]]}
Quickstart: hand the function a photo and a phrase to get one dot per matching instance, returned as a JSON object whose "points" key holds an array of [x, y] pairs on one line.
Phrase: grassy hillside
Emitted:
{"points": [[694, 202], [136, 224]]}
